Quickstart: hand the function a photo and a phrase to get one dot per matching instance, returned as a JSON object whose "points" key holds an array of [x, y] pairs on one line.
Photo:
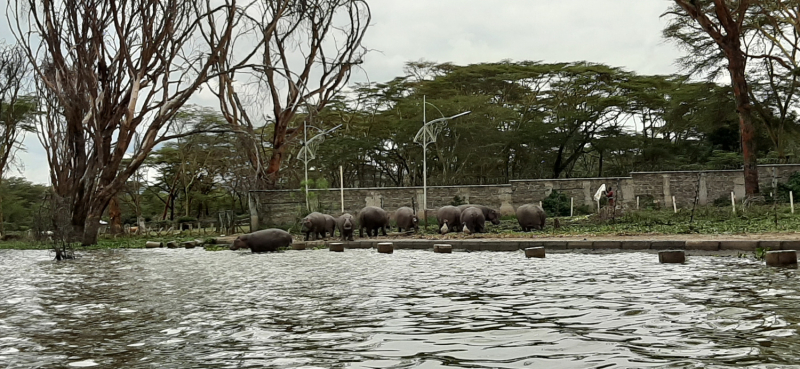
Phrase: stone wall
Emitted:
{"points": [[283, 207]]}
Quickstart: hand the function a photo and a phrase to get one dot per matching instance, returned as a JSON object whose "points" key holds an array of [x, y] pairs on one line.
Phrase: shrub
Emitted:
{"points": [[556, 205], [457, 200]]}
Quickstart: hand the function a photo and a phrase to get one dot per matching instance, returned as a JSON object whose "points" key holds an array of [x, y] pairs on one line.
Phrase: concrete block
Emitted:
{"points": [[671, 257], [579, 245], [635, 245], [500, 246], [336, 246], [442, 248], [534, 252], [667, 245], [385, 247], [770, 245], [790, 245], [702, 245], [782, 258], [299, 246], [607, 245], [554, 245], [738, 245]]}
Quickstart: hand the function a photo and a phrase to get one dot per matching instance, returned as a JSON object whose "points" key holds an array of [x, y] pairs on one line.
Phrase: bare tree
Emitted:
{"points": [[307, 50], [107, 70], [16, 106], [724, 22]]}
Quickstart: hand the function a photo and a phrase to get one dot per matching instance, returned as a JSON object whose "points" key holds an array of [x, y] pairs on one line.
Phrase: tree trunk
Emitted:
{"points": [[114, 212], [736, 67]]}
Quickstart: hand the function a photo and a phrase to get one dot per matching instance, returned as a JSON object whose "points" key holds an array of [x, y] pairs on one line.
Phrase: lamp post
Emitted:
{"points": [[427, 135], [309, 150]]}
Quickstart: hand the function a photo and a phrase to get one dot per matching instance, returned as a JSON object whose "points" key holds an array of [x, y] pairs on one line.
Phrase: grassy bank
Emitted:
{"points": [[121, 242], [707, 220]]}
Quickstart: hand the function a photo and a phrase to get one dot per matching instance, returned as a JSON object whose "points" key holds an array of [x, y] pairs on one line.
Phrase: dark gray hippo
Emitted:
{"points": [[488, 213], [406, 219], [372, 218], [531, 217], [451, 215], [330, 224], [346, 224], [266, 240], [473, 220], [314, 223]]}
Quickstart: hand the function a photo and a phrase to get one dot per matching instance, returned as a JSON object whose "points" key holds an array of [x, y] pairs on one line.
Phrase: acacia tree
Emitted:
{"points": [[724, 22], [16, 106], [306, 51], [107, 70]]}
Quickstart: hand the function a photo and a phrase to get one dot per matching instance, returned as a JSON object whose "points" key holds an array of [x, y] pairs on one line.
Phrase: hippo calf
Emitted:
{"points": [[266, 240], [406, 219], [530, 217], [330, 224]]}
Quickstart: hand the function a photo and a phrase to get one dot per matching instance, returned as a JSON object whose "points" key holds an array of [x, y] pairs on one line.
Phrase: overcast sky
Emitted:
{"points": [[620, 33]]}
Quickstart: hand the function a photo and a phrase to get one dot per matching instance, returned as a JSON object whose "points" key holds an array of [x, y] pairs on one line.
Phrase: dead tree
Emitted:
{"points": [[113, 72], [306, 52]]}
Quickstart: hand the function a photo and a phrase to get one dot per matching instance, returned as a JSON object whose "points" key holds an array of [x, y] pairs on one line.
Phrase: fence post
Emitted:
{"points": [[733, 202], [253, 206], [674, 206], [637, 202], [791, 200], [571, 205]]}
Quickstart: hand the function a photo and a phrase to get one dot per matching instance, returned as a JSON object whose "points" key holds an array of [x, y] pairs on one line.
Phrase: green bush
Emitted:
{"points": [[556, 205], [793, 184], [457, 200], [722, 201]]}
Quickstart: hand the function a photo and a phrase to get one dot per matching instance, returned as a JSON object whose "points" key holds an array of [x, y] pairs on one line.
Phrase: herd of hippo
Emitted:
{"points": [[465, 218]]}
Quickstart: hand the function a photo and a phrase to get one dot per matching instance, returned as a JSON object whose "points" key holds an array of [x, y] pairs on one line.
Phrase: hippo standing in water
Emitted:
{"points": [[406, 219], [473, 220], [372, 218], [488, 213], [314, 223], [266, 240], [530, 217], [346, 224], [451, 216]]}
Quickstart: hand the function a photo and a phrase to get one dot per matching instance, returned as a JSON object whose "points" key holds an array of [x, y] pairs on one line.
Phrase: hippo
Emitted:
{"points": [[488, 213], [451, 216], [314, 223], [406, 219], [530, 217], [473, 220], [346, 224], [372, 218], [266, 240], [330, 224]]}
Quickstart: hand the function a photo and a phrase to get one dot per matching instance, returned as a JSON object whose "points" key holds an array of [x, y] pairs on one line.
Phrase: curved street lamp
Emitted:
{"points": [[425, 136], [308, 152]]}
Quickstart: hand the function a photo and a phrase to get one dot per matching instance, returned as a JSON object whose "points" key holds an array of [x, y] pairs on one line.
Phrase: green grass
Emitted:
{"points": [[121, 242]]}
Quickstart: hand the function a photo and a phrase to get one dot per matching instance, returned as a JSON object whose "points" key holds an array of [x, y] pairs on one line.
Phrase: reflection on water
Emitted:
{"points": [[410, 309]]}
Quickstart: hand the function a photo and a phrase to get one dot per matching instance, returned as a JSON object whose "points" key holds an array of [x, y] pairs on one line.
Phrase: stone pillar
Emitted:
{"points": [[702, 193], [442, 248], [385, 247], [781, 258], [666, 191], [534, 252], [671, 256]]}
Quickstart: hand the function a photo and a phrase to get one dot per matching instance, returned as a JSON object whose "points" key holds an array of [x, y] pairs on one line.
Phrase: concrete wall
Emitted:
{"points": [[285, 206]]}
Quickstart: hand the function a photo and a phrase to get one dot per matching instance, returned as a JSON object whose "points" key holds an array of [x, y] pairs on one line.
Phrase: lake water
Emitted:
{"points": [[411, 309]]}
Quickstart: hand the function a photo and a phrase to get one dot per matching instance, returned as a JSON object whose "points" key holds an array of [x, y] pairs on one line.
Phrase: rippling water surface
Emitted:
{"points": [[410, 309]]}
